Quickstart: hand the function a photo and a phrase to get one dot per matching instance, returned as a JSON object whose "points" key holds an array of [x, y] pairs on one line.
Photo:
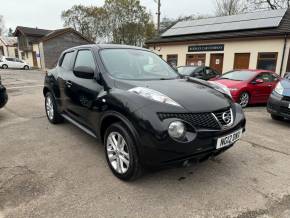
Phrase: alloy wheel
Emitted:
{"points": [[49, 107], [118, 152], [244, 99]]}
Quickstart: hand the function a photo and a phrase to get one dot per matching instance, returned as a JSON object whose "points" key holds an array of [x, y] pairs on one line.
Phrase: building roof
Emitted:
{"points": [[59, 32], [39, 35], [256, 24], [28, 31], [9, 41]]}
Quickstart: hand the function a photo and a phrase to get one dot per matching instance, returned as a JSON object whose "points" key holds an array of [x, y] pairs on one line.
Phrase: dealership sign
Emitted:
{"points": [[196, 48]]}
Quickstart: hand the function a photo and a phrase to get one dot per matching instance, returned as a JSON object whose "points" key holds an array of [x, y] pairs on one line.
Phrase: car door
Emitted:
{"points": [[20, 63], [10, 62], [64, 73], [261, 91], [83, 92]]}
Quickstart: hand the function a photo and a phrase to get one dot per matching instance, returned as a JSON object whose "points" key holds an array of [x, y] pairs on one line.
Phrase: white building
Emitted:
{"points": [[8, 46], [253, 40]]}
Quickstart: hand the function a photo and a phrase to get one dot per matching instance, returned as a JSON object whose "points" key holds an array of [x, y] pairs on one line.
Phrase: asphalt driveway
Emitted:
{"points": [[59, 171]]}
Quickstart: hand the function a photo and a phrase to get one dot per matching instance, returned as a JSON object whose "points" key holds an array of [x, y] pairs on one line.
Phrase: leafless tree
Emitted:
{"points": [[268, 4], [230, 7]]}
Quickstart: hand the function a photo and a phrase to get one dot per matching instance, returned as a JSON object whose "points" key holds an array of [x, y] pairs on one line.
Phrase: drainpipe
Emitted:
{"points": [[283, 55]]}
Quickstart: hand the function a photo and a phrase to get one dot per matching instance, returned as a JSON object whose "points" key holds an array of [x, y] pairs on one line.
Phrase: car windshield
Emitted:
{"points": [[238, 75], [187, 70], [134, 64]]}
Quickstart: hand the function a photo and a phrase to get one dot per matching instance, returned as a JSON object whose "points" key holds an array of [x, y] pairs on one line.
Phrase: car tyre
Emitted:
{"points": [[5, 66], [26, 67], [244, 99], [121, 153], [51, 109], [276, 117]]}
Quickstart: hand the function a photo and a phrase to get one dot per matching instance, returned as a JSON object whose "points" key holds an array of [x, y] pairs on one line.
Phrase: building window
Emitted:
{"points": [[195, 59], [172, 60], [22, 55], [267, 61], [16, 53], [1, 51]]}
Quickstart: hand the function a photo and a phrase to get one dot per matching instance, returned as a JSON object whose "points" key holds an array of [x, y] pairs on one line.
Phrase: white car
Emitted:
{"points": [[7, 62]]}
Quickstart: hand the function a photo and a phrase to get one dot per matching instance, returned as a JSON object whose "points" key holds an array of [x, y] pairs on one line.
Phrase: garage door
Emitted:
{"points": [[242, 61]]}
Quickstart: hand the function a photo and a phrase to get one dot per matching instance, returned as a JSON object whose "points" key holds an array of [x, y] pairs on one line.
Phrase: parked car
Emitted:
{"points": [[7, 62], [250, 86], [3, 95], [279, 101], [138, 106], [200, 72]]}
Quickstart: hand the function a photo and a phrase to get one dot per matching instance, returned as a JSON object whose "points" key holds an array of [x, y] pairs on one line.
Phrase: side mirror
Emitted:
{"points": [[84, 72], [258, 81]]}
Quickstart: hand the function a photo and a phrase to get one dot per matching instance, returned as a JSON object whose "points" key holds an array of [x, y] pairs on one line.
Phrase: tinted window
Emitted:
{"points": [[10, 59], [85, 58], [238, 75], [134, 64], [67, 61]]}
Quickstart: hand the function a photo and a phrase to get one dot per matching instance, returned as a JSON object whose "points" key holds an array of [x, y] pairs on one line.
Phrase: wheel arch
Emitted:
{"points": [[112, 117], [46, 90]]}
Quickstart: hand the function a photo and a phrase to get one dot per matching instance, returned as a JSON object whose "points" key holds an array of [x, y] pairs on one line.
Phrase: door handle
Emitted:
{"points": [[68, 84]]}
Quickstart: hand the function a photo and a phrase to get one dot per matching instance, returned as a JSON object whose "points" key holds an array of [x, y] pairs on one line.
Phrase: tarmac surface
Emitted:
{"points": [[59, 171]]}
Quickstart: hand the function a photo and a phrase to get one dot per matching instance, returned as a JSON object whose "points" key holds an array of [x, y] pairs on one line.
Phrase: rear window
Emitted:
{"points": [[66, 62]]}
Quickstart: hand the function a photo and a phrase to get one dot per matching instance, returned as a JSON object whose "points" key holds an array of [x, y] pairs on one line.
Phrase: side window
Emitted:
{"points": [[66, 62], [266, 77], [9, 59], [210, 72], [199, 71], [85, 58]]}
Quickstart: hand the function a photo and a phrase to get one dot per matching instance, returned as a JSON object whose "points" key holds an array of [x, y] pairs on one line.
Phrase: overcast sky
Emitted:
{"points": [[46, 13]]}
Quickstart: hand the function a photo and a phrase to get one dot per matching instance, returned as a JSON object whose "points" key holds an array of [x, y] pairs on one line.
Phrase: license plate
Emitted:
{"points": [[229, 139]]}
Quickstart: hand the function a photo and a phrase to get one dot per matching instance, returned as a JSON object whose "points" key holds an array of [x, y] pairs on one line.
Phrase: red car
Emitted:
{"points": [[249, 86]]}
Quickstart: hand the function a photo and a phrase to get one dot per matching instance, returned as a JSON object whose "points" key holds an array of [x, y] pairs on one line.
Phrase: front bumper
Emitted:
{"points": [[278, 106], [157, 148], [3, 96]]}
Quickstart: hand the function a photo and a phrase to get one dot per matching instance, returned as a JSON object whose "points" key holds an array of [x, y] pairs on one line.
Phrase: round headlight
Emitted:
{"points": [[176, 129]]}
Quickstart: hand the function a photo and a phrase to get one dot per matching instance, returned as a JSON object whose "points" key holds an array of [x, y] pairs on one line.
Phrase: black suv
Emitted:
{"points": [[140, 108], [3, 95]]}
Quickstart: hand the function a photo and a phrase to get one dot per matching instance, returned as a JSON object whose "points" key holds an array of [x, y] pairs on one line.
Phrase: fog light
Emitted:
{"points": [[176, 129]]}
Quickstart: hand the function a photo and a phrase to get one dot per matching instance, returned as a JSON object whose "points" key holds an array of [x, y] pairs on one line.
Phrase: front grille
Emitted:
{"points": [[285, 110], [286, 98], [200, 120], [222, 121]]}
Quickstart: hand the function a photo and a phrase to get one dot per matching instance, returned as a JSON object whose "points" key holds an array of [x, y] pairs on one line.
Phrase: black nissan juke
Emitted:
{"points": [[3, 95], [142, 110]]}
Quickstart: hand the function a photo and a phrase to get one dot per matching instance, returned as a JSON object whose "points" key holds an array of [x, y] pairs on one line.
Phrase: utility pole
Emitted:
{"points": [[158, 15]]}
